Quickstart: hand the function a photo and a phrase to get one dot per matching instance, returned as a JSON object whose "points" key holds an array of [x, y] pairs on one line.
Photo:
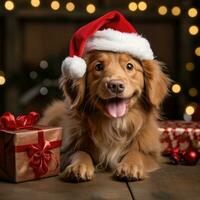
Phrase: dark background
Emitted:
{"points": [[29, 35]]}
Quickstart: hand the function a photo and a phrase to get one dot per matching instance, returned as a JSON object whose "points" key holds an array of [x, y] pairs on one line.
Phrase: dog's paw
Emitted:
{"points": [[78, 172], [129, 172]]}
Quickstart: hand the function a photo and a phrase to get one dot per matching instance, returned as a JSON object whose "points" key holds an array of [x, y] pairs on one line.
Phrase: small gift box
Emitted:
{"points": [[28, 151], [179, 135]]}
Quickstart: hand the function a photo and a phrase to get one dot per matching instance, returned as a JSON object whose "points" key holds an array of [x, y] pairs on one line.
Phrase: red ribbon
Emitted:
{"points": [[39, 154], [9, 122]]}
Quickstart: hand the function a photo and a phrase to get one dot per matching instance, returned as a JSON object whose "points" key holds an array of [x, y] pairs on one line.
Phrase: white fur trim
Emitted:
{"points": [[116, 41], [74, 66]]}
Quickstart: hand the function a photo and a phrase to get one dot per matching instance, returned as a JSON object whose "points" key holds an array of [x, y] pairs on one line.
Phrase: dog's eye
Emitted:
{"points": [[99, 67], [129, 66]]}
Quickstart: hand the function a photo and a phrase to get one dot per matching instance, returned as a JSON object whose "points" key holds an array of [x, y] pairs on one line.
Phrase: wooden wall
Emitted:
{"points": [[1, 63]]}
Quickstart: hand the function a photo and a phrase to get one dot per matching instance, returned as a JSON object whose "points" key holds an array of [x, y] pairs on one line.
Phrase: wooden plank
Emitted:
{"points": [[12, 62], [102, 187], [2, 88], [170, 182]]}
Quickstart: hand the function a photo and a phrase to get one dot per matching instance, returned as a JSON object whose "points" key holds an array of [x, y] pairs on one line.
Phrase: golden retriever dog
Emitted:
{"points": [[109, 117]]}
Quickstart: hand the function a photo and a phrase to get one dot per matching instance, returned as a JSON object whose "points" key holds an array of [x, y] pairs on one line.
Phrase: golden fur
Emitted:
{"points": [[128, 145]]}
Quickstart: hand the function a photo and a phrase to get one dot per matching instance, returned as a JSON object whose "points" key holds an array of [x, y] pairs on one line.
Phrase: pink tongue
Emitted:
{"points": [[116, 109]]}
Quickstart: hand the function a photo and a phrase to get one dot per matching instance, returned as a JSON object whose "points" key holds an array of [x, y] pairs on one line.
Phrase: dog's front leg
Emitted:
{"points": [[131, 167], [80, 169], [142, 157]]}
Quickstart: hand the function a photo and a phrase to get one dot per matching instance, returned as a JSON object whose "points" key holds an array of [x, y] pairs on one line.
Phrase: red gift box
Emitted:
{"points": [[179, 134], [28, 152]]}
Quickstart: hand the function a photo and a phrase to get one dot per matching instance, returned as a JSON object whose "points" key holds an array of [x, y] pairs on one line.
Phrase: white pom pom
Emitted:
{"points": [[74, 66]]}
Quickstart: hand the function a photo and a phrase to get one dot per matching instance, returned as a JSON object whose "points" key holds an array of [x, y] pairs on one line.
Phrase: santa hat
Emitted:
{"points": [[111, 32]]}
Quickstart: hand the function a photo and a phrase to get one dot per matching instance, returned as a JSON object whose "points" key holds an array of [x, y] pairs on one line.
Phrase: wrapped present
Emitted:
{"points": [[28, 151], [179, 134]]}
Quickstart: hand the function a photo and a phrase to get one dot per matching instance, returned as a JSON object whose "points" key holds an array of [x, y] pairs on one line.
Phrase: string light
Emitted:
{"points": [[2, 78], [90, 8], [193, 30], [9, 5], [197, 51], [176, 11], [176, 88], [55, 5], [142, 5], [193, 92], [162, 10], [192, 12], [189, 110], [70, 6], [189, 66], [132, 6], [35, 3]]}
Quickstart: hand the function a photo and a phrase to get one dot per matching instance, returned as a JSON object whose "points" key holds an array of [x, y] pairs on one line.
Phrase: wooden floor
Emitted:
{"points": [[172, 182]]}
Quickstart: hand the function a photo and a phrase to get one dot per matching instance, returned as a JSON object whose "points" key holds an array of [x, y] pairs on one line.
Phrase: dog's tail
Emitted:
{"points": [[52, 116]]}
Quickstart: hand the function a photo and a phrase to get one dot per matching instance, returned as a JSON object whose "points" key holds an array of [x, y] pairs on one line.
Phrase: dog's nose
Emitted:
{"points": [[116, 86]]}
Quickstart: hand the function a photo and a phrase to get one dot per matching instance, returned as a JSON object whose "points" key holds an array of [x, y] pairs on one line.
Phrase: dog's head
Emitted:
{"points": [[116, 82]]}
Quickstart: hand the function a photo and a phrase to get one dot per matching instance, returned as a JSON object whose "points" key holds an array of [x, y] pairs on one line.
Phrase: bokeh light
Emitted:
{"points": [[33, 74], [176, 11], [35, 3], [90, 8], [193, 92], [162, 10], [189, 110], [70, 6], [176, 88], [193, 30], [192, 12], [2, 78], [197, 51], [187, 117], [132, 6], [142, 5], [43, 91], [9, 5], [55, 5], [190, 66], [43, 64]]}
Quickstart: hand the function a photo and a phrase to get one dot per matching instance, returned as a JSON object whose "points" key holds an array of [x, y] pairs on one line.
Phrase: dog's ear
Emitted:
{"points": [[74, 89], [156, 82]]}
